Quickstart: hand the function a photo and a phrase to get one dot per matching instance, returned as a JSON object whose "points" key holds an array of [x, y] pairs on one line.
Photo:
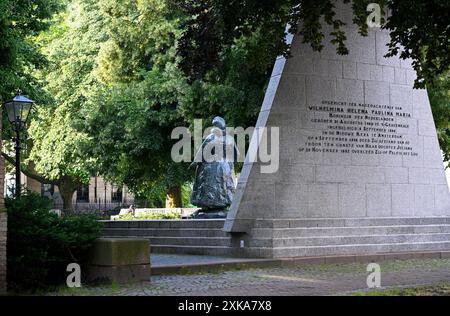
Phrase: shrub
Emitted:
{"points": [[41, 244]]}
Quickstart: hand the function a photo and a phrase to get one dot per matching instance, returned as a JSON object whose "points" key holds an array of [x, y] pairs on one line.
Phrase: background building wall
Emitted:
{"points": [[31, 184], [100, 194]]}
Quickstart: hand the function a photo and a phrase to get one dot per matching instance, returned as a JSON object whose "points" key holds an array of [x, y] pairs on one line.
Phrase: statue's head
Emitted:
{"points": [[219, 122], [216, 131]]}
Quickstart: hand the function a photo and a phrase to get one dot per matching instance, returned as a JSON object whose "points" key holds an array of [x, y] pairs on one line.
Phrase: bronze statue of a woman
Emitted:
{"points": [[214, 185]]}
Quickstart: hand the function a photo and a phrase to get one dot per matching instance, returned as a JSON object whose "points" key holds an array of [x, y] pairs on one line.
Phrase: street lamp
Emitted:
{"points": [[18, 110]]}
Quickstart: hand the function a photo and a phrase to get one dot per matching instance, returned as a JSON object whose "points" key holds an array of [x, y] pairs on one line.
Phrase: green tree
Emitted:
{"points": [[19, 55], [59, 147], [439, 94], [145, 95], [123, 74], [420, 27], [132, 116], [20, 58], [115, 89]]}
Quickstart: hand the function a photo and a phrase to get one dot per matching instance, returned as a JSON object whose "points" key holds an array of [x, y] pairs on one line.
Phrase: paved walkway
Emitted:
{"points": [[164, 260], [326, 279]]}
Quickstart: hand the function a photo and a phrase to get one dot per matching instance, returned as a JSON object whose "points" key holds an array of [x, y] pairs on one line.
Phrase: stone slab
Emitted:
{"points": [[118, 260], [119, 252]]}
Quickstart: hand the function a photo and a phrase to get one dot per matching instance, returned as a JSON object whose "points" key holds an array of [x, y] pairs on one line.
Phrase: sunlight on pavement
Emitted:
{"points": [[294, 279]]}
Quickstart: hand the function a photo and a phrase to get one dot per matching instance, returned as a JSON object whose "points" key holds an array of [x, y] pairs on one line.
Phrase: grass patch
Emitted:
{"points": [[88, 290], [148, 216], [425, 290], [386, 266]]}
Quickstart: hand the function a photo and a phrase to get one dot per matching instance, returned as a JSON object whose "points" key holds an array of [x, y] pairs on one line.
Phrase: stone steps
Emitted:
{"points": [[290, 237], [185, 241], [169, 223], [166, 232], [349, 231], [305, 251], [351, 222], [193, 250], [347, 240], [199, 237], [192, 241], [358, 249], [343, 236]]}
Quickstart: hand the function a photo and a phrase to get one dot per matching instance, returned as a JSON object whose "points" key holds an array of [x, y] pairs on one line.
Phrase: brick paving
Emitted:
{"points": [[326, 279]]}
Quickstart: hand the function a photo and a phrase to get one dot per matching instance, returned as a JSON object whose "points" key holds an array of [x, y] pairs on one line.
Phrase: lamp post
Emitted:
{"points": [[18, 110]]}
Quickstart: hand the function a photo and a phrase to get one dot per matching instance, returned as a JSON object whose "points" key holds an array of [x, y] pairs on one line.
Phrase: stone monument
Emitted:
{"points": [[358, 150]]}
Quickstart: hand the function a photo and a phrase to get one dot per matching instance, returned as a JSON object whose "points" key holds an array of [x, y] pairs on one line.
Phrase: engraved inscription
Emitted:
{"points": [[360, 128]]}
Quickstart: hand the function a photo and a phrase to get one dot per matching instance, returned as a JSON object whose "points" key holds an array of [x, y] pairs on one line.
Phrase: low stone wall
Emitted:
{"points": [[3, 230], [119, 260]]}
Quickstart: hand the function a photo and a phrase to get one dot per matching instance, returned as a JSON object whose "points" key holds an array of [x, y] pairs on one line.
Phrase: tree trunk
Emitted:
{"points": [[66, 185], [173, 197], [67, 188]]}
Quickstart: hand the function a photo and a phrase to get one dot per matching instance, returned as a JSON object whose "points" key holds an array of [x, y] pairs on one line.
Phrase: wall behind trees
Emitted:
{"points": [[3, 222]]}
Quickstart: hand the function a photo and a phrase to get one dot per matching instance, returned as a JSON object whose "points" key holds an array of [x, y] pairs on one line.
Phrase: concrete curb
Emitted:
{"points": [[294, 261]]}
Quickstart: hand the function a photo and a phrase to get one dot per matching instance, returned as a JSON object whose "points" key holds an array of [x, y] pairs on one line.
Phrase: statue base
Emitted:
{"points": [[210, 213]]}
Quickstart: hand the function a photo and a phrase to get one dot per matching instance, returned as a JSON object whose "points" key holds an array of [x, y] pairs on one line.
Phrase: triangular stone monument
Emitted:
{"points": [[358, 150]]}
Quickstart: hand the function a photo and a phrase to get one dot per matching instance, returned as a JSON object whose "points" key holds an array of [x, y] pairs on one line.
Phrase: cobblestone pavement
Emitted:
{"points": [[329, 279]]}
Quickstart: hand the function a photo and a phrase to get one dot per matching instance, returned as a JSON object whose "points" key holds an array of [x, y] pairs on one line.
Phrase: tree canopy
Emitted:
{"points": [[419, 30], [20, 20], [112, 78]]}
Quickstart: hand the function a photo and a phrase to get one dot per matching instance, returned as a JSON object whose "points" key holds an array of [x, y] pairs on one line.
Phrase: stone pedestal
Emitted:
{"points": [[119, 260], [209, 214]]}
